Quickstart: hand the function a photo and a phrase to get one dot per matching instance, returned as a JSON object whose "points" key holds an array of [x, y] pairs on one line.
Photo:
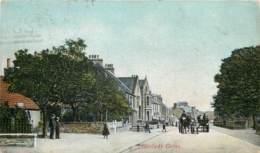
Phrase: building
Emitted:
{"points": [[109, 71], [146, 106], [133, 84], [157, 105], [190, 110], [13, 100]]}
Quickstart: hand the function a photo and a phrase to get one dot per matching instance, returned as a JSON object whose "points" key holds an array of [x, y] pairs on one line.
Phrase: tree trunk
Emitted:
{"points": [[254, 121], [45, 122], [106, 115], [101, 116], [74, 113]]}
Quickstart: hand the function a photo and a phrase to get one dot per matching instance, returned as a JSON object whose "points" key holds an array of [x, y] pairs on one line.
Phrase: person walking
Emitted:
{"points": [[57, 128], [105, 131], [164, 127], [147, 128], [52, 125]]}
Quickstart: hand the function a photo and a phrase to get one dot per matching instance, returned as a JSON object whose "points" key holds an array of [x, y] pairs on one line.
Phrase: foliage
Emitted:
{"points": [[239, 84], [109, 101], [64, 76]]}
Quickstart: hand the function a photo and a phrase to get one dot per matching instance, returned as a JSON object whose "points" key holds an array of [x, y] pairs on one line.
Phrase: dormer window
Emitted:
{"points": [[20, 105]]}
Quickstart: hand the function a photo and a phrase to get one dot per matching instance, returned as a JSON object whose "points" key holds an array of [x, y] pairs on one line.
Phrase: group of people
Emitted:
{"points": [[147, 127], [189, 124], [54, 125], [105, 131]]}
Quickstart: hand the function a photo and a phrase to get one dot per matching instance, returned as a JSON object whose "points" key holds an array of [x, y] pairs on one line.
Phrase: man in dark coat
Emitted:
{"points": [[57, 128], [105, 131], [164, 127], [147, 128], [52, 125]]}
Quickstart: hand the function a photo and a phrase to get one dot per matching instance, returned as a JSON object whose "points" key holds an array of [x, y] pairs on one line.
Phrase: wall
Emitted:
{"points": [[35, 117]]}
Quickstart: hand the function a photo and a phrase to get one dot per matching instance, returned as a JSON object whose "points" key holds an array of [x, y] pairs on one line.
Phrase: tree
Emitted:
{"points": [[52, 77], [239, 84], [108, 100]]}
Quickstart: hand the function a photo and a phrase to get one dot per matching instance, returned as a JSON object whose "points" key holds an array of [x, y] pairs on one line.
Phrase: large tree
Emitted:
{"points": [[52, 77], [239, 84]]}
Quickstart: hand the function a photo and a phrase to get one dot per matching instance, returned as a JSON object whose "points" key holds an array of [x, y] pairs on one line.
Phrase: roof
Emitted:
{"points": [[13, 99], [120, 84], [130, 82], [141, 82]]}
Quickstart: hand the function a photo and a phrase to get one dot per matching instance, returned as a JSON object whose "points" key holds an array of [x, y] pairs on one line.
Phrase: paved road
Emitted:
{"points": [[212, 142]]}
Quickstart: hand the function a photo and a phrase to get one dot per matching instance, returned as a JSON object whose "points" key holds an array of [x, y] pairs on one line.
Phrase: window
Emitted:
{"points": [[147, 101]]}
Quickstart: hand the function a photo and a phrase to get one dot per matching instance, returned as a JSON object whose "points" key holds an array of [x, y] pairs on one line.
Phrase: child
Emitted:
{"points": [[105, 131]]}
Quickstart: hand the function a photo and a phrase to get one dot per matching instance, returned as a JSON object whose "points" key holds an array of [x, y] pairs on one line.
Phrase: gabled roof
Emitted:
{"points": [[130, 82], [13, 99], [120, 83], [141, 82]]}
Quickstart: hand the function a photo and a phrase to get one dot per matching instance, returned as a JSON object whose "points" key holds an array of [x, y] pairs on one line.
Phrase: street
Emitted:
{"points": [[139, 142], [212, 142]]}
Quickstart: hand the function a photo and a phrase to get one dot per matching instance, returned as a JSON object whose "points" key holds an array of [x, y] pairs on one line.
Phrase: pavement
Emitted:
{"points": [[87, 143], [248, 135], [139, 142]]}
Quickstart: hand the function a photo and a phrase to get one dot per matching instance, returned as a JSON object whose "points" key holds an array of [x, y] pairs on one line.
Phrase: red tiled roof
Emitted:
{"points": [[11, 99]]}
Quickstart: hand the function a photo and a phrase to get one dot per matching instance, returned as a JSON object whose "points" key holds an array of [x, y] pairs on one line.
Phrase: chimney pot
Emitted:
{"points": [[8, 64]]}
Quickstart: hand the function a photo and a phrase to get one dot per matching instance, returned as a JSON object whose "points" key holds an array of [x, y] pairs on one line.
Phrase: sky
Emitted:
{"points": [[178, 45]]}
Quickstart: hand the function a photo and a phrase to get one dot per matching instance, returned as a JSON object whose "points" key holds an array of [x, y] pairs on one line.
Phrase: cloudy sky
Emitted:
{"points": [[177, 44]]}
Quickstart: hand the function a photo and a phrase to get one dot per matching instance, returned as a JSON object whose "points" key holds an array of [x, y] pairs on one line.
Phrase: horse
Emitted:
{"points": [[184, 124]]}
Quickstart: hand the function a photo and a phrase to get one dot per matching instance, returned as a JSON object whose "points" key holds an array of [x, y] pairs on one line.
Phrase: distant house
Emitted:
{"points": [[156, 102], [14, 100], [190, 110]]}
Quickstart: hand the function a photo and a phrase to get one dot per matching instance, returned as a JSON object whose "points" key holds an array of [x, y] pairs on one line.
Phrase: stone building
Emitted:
{"points": [[156, 101], [146, 106], [133, 84]]}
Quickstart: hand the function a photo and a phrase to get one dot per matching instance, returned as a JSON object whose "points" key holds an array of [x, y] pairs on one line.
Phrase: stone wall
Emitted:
{"points": [[82, 127], [16, 140]]}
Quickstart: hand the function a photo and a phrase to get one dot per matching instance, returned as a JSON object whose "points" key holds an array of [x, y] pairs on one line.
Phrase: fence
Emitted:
{"points": [[236, 124], [15, 126]]}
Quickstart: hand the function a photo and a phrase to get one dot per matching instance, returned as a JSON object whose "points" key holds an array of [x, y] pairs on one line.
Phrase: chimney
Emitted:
{"points": [[96, 60], [8, 63], [110, 67]]}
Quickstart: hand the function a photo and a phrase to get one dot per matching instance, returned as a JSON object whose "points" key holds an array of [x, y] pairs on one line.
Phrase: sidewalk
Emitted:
{"points": [[83, 143], [248, 135]]}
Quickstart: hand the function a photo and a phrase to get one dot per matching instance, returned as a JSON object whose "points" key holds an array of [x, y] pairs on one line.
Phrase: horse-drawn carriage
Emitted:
{"points": [[189, 124], [203, 123]]}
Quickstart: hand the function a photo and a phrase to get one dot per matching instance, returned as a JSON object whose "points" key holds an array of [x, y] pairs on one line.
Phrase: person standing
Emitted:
{"points": [[105, 131], [52, 125], [164, 127], [147, 128], [57, 128]]}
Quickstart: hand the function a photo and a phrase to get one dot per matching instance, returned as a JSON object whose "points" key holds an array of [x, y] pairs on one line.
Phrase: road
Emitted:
{"points": [[212, 142]]}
